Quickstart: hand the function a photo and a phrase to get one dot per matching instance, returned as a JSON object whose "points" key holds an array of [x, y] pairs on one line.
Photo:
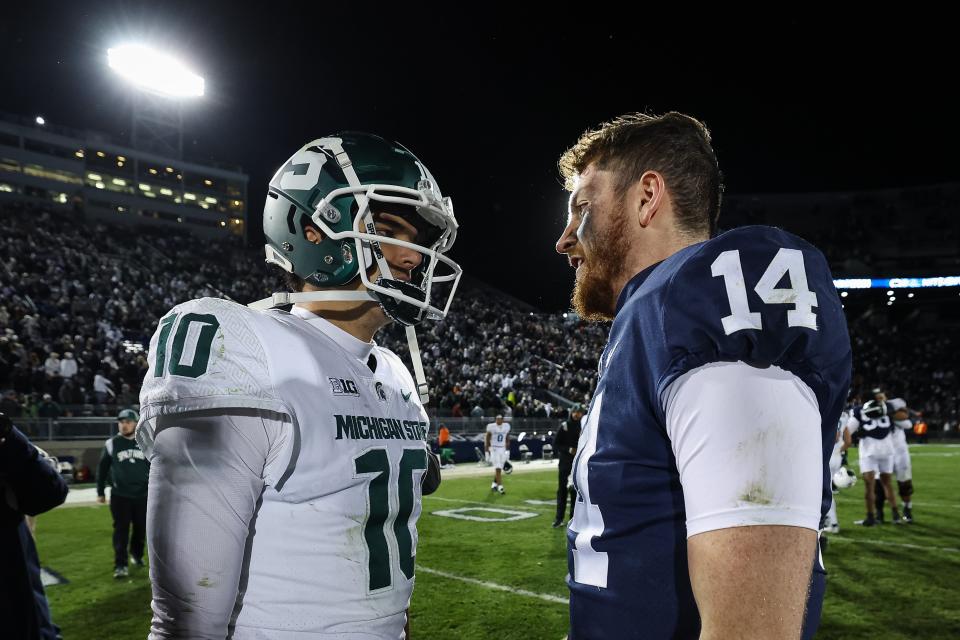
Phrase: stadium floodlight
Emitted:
{"points": [[154, 71], [40, 121]]}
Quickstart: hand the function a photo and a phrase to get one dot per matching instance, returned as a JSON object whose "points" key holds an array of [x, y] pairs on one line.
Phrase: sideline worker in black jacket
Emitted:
{"points": [[565, 445]]}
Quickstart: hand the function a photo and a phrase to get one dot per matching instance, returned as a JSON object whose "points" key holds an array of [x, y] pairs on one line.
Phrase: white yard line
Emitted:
{"points": [[470, 469], [937, 505], [494, 586], [484, 504], [934, 454], [83, 497], [932, 505], [884, 543]]}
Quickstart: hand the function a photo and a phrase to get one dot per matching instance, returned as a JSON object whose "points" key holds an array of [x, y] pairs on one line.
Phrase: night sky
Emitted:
{"points": [[490, 98]]}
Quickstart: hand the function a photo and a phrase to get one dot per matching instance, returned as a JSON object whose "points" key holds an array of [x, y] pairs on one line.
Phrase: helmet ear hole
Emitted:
{"points": [[307, 223]]}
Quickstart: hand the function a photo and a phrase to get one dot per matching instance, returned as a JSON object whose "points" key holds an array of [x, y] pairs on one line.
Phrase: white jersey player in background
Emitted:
{"points": [[845, 478], [288, 449], [497, 445], [902, 467]]}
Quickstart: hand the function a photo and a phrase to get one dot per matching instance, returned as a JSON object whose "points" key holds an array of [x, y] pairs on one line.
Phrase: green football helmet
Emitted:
{"points": [[336, 184]]}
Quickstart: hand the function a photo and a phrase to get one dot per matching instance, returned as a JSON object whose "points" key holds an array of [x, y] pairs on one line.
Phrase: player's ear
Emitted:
{"points": [[312, 234], [648, 194]]}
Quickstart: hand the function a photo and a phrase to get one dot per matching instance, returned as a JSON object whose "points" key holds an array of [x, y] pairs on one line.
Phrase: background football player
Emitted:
{"points": [[497, 446], [876, 420], [841, 477], [902, 467]]}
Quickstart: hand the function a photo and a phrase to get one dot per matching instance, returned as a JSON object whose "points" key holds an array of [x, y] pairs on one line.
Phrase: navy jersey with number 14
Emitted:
{"points": [[754, 295]]}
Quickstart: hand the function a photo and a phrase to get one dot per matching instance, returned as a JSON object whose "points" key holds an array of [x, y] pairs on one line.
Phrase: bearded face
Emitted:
{"points": [[595, 244]]}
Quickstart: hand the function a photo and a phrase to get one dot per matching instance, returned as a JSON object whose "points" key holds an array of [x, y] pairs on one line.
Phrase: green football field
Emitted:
{"points": [[480, 579]]}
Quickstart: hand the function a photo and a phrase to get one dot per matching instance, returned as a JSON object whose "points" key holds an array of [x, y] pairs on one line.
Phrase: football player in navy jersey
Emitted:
{"points": [[902, 467], [878, 420], [702, 466]]}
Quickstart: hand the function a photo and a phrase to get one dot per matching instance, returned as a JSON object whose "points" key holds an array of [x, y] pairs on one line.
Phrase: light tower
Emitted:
{"points": [[162, 83]]}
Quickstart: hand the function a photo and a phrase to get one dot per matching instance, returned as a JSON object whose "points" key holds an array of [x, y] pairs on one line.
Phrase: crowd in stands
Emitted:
{"points": [[80, 300], [912, 230], [505, 360], [918, 366]]}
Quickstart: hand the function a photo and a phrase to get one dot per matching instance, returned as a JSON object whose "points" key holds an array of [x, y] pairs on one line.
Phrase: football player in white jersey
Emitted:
{"points": [[288, 448], [497, 446], [831, 524], [902, 467], [877, 420]]}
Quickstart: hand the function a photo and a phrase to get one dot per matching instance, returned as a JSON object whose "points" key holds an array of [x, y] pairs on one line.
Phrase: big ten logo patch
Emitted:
{"points": [[343, 387]]}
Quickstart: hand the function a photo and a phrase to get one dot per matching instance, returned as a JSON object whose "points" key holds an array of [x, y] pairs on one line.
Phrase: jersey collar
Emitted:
{"points": [[352, 345], [633, 284]]}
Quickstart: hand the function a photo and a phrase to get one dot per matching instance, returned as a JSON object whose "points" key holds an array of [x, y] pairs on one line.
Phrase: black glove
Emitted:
{"points": [[843, 458], [431, 479]]}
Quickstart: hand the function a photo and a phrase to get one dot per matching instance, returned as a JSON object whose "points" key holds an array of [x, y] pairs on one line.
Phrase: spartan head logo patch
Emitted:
{"points": [[381, 392]]}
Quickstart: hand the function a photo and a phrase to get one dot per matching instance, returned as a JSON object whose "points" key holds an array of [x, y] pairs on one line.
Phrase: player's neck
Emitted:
{"points": [[362, 320], [652, 251], [362, 328]]}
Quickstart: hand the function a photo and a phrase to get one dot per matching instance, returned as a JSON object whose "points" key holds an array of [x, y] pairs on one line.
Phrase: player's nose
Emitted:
{"points": [[408, 258], [568, 239]]}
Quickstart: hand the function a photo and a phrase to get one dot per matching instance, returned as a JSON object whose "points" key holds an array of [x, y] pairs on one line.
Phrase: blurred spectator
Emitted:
{"points": [[48, 408], [101, 388], [67, 393], [126, 397], [68, 366], [443, 437], [52, 365]]}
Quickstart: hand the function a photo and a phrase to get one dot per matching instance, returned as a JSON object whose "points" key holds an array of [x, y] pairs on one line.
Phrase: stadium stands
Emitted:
{"points": [[97, 292]]}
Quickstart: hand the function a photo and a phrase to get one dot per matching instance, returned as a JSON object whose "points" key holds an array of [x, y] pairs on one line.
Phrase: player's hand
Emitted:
{"points": [[102, 499], [430, 481]]}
